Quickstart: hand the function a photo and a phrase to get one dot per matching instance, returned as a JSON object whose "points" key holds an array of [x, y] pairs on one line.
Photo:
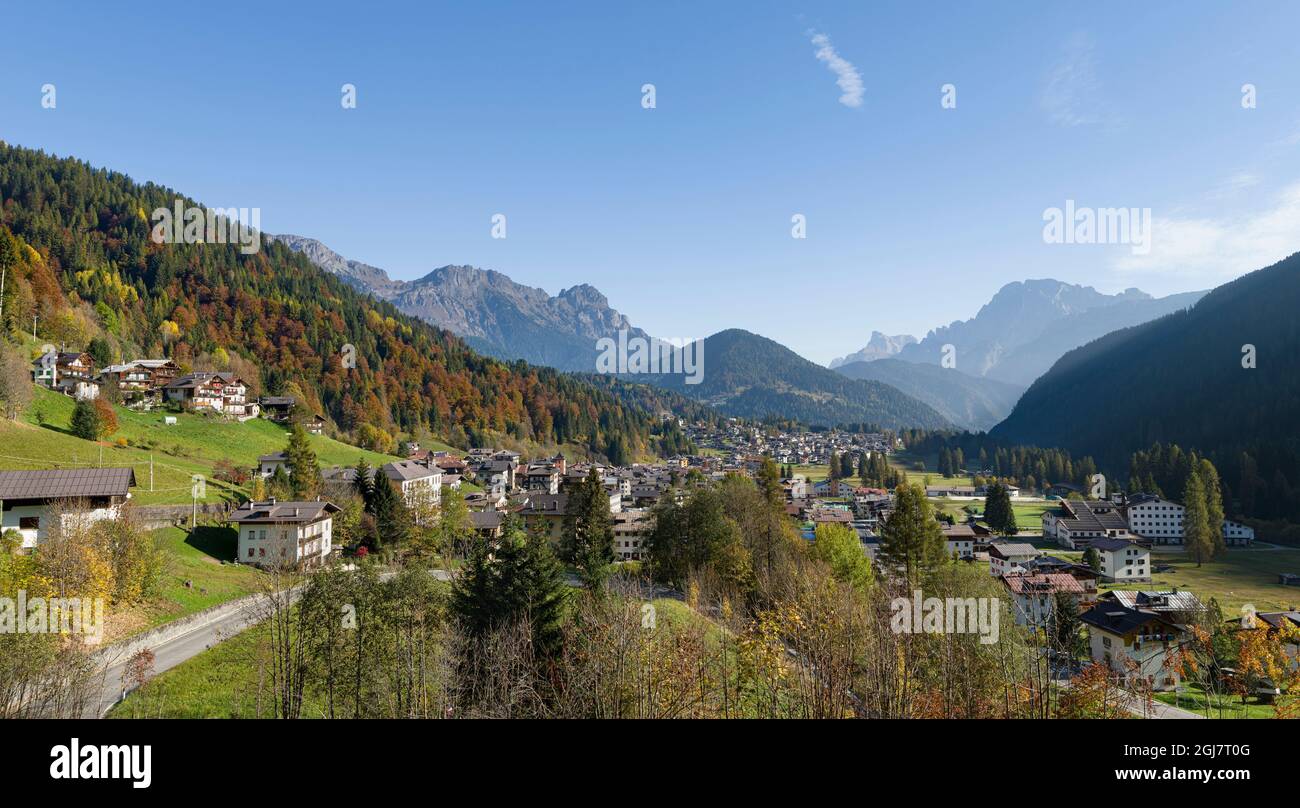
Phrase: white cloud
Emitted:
{"points": [[1071, 92], [847, 76], [1219, 248]]}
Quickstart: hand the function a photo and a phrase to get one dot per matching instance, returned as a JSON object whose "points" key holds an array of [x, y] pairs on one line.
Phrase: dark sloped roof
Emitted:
{"points": [[485, 520], [1117, 618], [272, 511], [65, 483], [1114, 544]]}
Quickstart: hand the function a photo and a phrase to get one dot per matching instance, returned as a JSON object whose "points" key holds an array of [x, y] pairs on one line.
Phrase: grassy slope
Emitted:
{"points": [[190, 447], [221, 682], [199, 560]]}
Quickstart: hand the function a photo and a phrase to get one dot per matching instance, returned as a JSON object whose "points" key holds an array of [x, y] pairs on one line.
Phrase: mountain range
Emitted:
{"points": [[1222, 377], [1012, 340], [492, 313], [1028, 325], [879, 346]]}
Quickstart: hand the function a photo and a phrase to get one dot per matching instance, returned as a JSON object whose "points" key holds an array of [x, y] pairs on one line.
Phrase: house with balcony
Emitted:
{"points": [[284, 534], [1140, 634], [140, 382], [204, 391], [69, 372]]}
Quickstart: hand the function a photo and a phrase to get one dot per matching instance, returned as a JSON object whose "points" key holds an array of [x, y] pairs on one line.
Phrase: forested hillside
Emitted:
{"points": [[1185, 379], [75, 244], [750, 376]]}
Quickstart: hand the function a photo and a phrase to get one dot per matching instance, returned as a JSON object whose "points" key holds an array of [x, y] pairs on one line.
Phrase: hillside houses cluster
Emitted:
{"points": [[147, 384]]}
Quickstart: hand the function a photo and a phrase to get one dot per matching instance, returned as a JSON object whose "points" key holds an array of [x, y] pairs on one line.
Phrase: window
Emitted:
{"points": [[250, 552], [29, 522]]}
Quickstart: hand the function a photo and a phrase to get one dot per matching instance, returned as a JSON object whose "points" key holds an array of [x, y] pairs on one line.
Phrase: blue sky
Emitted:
{"points": [[681, 214]]}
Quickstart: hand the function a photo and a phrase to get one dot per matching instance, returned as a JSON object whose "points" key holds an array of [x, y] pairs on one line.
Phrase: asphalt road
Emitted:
{"points": [[172, 653]]}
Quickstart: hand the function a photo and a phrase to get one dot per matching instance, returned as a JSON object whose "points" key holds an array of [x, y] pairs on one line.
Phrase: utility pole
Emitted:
{"points": [[3, 270]]}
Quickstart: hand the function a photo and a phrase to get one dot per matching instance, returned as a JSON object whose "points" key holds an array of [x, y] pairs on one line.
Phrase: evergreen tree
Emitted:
{"points": [[391, 518], [770, 484], [998, 513], [587, 540], [1093, 559], [85, 420], [513, 578], [1213, 506], [1196, 520], [911, 540], [363, 481], [1066, 627], [279, 486], [100, 351], [304, 470]]}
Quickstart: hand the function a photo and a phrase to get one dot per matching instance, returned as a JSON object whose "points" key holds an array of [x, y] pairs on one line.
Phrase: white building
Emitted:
{"points": [[420, 485], [268, 463], [1138, 634], [1033, 595], [1123, 560], [960, 541], [284, 533], [1006, 558], [631, 528], [33, 502], [1161, 521], [1237, 533]]}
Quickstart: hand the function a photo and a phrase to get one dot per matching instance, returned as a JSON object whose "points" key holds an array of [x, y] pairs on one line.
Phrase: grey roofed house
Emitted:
{"points": [[1007, 549], [274, 457], [200, 377], [65, 484], [486, 521], [1108, 543], [1096, 516], [402, 470], [545, 503], [273, 511], [343, 474]]}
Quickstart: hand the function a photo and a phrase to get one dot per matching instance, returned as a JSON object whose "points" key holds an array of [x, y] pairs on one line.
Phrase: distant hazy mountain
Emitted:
{"points": [[1028, 325], [750, 376], [878, 347], [494, 314], [969, 402], [1185, 379]]}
